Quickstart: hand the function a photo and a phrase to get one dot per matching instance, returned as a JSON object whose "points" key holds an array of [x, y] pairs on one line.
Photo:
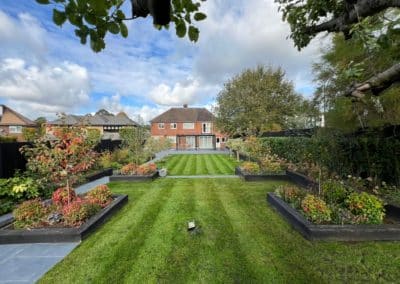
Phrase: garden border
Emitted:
{"points": [[134, 178], [315, 232], [56, 235], [264, 177]]}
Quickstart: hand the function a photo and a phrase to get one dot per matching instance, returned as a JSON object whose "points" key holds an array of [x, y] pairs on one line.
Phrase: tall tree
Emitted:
{"points": [[351, 17], [255, 101]]}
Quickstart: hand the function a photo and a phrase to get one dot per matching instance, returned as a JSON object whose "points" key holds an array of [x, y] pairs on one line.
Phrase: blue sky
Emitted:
{"points": [[44, 69]]}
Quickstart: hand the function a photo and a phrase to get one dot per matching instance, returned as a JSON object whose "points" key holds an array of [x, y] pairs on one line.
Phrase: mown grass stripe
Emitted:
{"points": [[169, 224], [210, 169], [222, 169], [219, 258], [172, 162], [125, 253], [228, 162], [201, 166], [188, 169], [181, 165]]}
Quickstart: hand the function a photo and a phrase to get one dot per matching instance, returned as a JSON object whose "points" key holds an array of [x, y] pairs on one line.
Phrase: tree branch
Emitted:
{"points": [[376, 84], [361, 9]]}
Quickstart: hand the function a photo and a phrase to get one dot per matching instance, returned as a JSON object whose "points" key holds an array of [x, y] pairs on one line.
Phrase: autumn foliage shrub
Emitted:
{"points": [[250, 167], [129, 169], [78, 211], [146, 169], [291, 194], [315, 209], [100, 195], [30, 214], [63, 196]]}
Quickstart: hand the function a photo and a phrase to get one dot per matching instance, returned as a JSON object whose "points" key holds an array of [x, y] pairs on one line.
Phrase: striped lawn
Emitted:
{"points": [[240, 240], [203, 164]]}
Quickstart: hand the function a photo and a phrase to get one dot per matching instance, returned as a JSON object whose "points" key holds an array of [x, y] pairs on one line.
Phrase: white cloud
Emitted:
{"points": [[181, 93], [24, 36], [114, 105], [243, 34], [45, 88]]}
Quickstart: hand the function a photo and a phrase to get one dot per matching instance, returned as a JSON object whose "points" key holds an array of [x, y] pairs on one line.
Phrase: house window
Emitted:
{"points": [[217, 140], [206, 127], [173, 126], [172, 139], [15, 129], [161, 126], [223, 139], [188, 125]]}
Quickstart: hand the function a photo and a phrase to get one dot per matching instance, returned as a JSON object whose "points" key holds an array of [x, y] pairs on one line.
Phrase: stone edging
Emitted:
{"points": [[333, 232], [57, 235], [134, 178]]}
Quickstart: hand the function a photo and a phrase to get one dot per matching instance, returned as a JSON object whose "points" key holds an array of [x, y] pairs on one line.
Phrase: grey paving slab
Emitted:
{"points": [[163, 154], [90, 185], [26, 263], [205, 176]]}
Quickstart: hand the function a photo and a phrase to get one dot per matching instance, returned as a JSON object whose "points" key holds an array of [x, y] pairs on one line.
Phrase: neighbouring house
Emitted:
{"points": [[12, 123], [188, 129], [107, 123]]}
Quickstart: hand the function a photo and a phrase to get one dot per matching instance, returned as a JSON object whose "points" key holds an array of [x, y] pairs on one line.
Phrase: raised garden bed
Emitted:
{"points": [[134, 177], [384, 232], [262, 177], [99, 174], [53, 235]]}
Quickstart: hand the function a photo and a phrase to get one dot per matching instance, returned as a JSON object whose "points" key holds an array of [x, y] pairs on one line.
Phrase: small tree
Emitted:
{"points": [[133, 138], [62, 161]]}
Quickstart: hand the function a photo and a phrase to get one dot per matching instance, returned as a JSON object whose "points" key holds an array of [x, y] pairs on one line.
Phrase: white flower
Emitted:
{"points": [[349, 176]]}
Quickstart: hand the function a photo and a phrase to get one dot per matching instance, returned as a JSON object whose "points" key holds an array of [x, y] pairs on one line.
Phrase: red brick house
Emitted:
{"points": [[12, 123], [188, 129]]}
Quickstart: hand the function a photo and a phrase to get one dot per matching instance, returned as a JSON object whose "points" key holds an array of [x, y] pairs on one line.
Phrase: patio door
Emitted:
{"points": [[190, 142], [206, 142]]}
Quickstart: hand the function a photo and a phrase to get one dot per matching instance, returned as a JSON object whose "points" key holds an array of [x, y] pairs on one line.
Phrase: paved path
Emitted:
{"points": [[205, 176], [163, 154], [27, 263]]}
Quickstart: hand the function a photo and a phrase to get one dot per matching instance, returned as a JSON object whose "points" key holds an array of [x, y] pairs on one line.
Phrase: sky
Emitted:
{"points": [[44, 70]]}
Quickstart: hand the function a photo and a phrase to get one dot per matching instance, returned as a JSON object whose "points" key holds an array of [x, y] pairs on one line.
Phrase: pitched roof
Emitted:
{"points": [[101, 118], [26, 120], [184, 114]]}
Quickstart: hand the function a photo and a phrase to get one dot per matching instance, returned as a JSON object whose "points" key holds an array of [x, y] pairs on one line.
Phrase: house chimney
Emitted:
{"points": [[185, 106]]}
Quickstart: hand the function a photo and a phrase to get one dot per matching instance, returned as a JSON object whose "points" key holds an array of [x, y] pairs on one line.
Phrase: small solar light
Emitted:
{"points": [[191, 226]]}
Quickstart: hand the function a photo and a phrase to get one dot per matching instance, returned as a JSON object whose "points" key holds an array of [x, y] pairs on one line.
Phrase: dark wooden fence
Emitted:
{"points": [[11, 159]]}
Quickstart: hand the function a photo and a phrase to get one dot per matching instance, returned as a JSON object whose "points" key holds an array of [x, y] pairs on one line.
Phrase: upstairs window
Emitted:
{"points": [[173, 126], [206, 127], [188, 125], [161, 126]]}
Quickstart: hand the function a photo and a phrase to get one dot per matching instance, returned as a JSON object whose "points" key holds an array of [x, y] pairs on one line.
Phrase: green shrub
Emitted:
{"points": [[315, 209], [30, 214], [291, 194], [334, 192], [250, 168], [271, 164], [368, 207]]}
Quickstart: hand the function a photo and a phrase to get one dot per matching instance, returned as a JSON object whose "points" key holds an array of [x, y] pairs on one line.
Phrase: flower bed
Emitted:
{"points": [[132, 172], [66, 217], [383, 232], [337, 213]]}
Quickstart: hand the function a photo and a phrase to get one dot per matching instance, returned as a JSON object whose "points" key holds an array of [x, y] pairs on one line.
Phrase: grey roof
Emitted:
{"points": [[184, 114], [99, 119]]}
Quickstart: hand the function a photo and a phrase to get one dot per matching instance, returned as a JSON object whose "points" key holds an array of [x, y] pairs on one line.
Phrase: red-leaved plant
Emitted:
{"points": [[100, 195], [78, 211], [63, 196]]}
